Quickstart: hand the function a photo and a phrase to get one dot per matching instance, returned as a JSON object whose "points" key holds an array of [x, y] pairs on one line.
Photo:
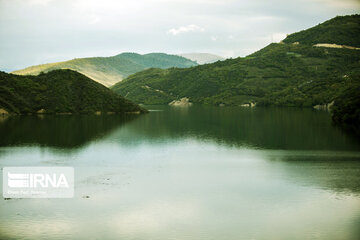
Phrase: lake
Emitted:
{"points": [[188, 173]]}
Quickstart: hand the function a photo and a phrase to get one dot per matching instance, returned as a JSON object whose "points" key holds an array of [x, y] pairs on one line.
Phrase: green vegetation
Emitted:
{"points": [[278, 75], [346, 110], [59, 91], [110, 70], [283, 74], [341, 30]]}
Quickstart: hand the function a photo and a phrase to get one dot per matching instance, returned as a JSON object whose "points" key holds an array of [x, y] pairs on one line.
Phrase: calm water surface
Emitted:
{"points": [[193, 173]]}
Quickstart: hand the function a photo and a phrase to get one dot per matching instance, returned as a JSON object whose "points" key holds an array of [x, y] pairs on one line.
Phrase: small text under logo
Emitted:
{"points": [[38, 182]]}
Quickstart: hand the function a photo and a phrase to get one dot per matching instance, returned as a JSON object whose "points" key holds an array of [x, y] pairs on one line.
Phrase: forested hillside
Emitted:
{"points": [[280, 75], [291, 73], [341, 30], [59, 91]]}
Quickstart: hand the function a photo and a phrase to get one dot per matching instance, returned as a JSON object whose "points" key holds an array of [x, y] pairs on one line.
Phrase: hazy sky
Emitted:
{"points": [[40, 31]]}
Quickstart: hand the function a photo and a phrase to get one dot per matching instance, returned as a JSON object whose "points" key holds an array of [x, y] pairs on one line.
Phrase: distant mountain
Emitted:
{"points": [[59, 91], [202, 58], [110, 70], [297, 72]]}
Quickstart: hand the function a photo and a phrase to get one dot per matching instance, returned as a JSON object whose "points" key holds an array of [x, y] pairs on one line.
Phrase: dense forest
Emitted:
{"points": [[59, 91], [341, 30], [278, 75], [346, 110], [292, 73]]}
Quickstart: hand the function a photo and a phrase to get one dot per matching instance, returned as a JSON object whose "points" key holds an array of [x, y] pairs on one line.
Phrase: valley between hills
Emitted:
{"points": [[318, 67]]}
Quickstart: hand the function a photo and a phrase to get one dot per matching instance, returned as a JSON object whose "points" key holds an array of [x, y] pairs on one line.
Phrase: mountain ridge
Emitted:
{"points": [[292, 73], [110, 70]]}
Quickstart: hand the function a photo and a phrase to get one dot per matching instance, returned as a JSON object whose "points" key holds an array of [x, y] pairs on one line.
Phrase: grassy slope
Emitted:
{"points": [[110, 70], [59, 91], [284, 74], [280, 74]]}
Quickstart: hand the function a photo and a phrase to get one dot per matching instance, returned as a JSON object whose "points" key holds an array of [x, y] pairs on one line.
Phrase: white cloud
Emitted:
{"points": [[214, 38], [184, 29], [39, 31], [94, 20]]}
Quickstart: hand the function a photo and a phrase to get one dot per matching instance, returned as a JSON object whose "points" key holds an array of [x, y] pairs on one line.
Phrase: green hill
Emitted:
{"points": [[283, 74], [59, 91], [280, 74], [341, 30], [110, 70]]}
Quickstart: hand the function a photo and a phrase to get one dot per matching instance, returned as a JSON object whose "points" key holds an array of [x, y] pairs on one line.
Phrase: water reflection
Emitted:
{"points": [[262, 128], [337, 172], [69, 131], [301, 143], [196, 173], [277, 128]]}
